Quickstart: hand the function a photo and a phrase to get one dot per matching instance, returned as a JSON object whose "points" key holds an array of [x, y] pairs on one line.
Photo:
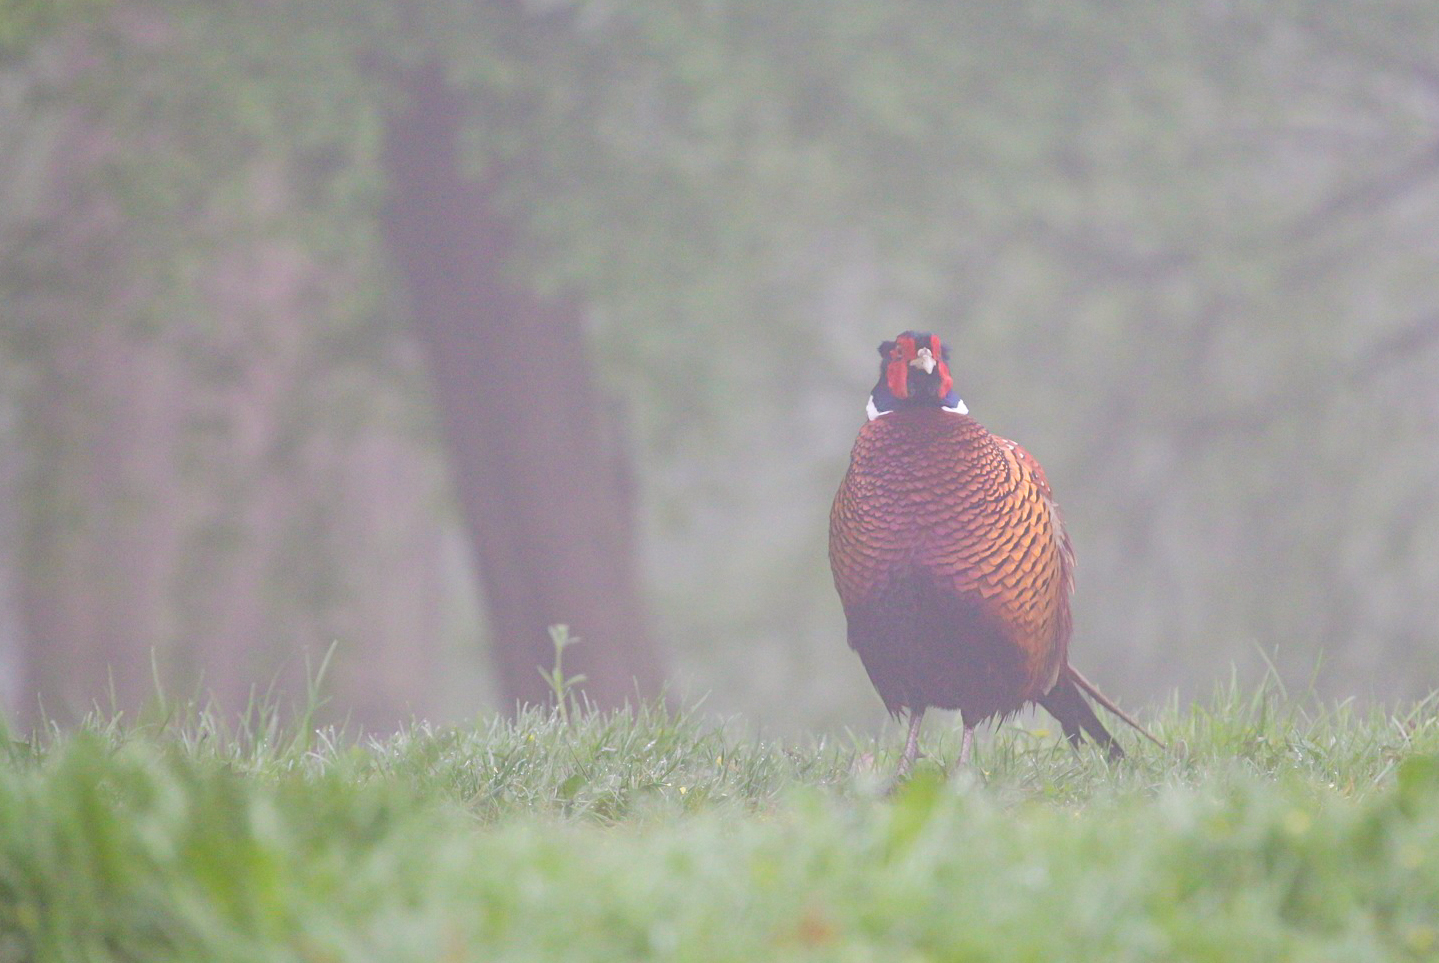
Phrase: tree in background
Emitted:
{"points": [[533, 442]]}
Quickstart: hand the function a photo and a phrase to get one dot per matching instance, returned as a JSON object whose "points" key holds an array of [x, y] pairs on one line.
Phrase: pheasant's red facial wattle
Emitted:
{"points": [[901, 356]]}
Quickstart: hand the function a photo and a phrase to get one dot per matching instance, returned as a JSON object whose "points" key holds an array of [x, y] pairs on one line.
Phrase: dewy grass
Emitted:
{"points": [[1271, 829]]}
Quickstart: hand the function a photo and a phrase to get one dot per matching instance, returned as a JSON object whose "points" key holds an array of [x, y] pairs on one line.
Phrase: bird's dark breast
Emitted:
{"points": [[926, 548], [922, 646]]}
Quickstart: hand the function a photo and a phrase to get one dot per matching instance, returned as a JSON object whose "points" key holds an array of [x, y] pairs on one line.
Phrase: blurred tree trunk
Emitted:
{"points": [[95, 540], [199, 493], [533, 446]]}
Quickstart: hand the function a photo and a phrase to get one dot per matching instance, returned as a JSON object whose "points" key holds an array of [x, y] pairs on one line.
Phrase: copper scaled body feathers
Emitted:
{"points": [[951, 559]]}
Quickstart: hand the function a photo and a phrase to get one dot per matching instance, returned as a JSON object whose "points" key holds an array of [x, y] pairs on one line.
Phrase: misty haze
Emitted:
{"points": [[417, 329]]}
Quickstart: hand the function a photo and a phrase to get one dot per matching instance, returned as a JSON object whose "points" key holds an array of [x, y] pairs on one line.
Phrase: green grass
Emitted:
{"points": [[1271, 830]]}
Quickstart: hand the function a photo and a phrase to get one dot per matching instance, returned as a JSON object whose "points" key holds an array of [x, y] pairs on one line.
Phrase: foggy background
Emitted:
{"points": [[419, 326]]}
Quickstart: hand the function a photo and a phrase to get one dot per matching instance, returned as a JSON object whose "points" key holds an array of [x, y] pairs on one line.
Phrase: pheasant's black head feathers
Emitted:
{"points": [[913, 373]]}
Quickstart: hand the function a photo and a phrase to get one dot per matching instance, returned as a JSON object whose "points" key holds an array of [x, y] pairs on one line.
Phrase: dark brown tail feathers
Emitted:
{"points": [[1066, 704], [1074, 714]]}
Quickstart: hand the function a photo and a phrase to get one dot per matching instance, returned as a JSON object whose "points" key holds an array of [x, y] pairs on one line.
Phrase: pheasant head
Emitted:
{"points": [[914, 373]]}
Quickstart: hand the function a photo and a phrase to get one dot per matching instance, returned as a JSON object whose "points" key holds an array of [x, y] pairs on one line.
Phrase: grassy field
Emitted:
{"points": [[1269, 831]]}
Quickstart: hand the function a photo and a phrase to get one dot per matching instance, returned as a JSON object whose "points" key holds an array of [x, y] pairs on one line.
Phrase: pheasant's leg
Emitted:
{"points": [[911, 745], [966, 746]]}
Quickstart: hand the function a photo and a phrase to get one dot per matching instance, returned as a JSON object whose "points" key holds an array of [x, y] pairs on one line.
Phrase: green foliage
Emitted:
{"points": [[1271, 831], [559, 683]]}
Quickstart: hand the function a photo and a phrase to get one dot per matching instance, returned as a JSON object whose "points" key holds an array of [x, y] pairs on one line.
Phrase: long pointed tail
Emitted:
{"points": [[1104, 700], [1065, 703]]}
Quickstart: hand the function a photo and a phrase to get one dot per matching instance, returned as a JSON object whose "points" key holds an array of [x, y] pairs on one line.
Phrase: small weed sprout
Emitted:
{"points": [[559, 683]]}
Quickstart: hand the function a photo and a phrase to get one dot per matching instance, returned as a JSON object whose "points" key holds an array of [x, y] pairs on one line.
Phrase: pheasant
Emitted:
{"points": [[952, 562]]}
